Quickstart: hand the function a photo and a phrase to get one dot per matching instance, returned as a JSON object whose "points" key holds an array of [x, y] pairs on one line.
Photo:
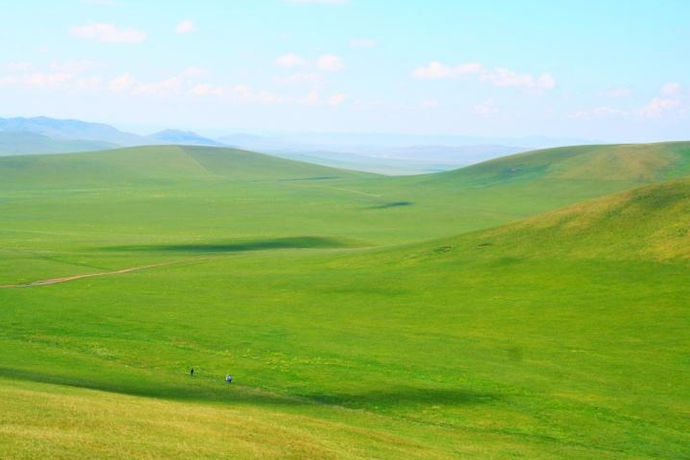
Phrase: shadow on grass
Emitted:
{"points": [[393, 204], [405, 396], [300, 242], [178, 388], [315, 178], [200, 389]]}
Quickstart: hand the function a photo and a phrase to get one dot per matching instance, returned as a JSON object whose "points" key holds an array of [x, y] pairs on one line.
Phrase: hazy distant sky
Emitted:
{"points": [[611, 70]]}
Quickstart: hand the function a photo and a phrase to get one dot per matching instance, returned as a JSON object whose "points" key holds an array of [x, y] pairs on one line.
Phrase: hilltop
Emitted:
{"points": [[631, 163], [142, 164]]}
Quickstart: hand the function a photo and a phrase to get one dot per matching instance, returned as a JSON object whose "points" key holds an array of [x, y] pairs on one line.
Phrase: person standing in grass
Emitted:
{"points": [[191, 372]]}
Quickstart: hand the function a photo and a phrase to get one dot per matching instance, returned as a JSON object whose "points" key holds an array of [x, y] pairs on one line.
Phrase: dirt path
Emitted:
{"points": [[65, 279]]}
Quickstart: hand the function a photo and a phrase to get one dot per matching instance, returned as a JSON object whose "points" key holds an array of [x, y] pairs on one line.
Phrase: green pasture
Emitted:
{"points": [[534, 306]]}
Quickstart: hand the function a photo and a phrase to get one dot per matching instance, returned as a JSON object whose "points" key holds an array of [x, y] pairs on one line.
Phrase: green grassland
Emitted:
{"points": [[533, 306]]}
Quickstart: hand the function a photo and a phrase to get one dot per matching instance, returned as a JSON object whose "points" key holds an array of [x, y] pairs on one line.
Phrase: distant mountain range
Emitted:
{"points": [[25, 143], [50, 135], [69, 129], [376, 152]]}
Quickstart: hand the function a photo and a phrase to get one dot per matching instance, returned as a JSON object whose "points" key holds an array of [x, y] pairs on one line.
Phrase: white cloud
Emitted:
{"points": [[499, 76], [121, 83], [336, 99], [598, 112], [57, 75], [244, 93], [78, 76], [290, 60], [206, 89], [363, 43], [47, 80], [657, 106], [668, 100], [185, 27], [485, 108], [617, 92], [182, 83], [670, 89], [300, 78], [608, 111], [39, 80], [108, 33], [436, 70], [74, 75], [330, 63], [160, 88], [326, 63]]}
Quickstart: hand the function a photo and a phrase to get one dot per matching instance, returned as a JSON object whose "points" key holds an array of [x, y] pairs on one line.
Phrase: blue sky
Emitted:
{"points": [[609, 70]]}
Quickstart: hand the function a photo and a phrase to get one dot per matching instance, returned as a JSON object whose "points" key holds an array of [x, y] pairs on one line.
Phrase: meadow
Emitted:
{"points": [[530, 306]]}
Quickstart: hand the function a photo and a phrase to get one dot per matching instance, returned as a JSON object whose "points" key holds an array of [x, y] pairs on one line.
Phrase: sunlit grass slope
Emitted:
{"points": [[624, 162], [350, 331], [652, 221], [43, 420]]}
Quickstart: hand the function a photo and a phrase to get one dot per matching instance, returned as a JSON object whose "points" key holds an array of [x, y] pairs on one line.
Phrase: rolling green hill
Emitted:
{"points": [[653, 222], [625, 162], [361, 316], [155, 164]]}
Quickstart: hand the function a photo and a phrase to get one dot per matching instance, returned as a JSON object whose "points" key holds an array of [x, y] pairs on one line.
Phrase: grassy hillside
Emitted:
{"points": [[626, 163], [152, 165], [349, 333], [651, 221]]}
